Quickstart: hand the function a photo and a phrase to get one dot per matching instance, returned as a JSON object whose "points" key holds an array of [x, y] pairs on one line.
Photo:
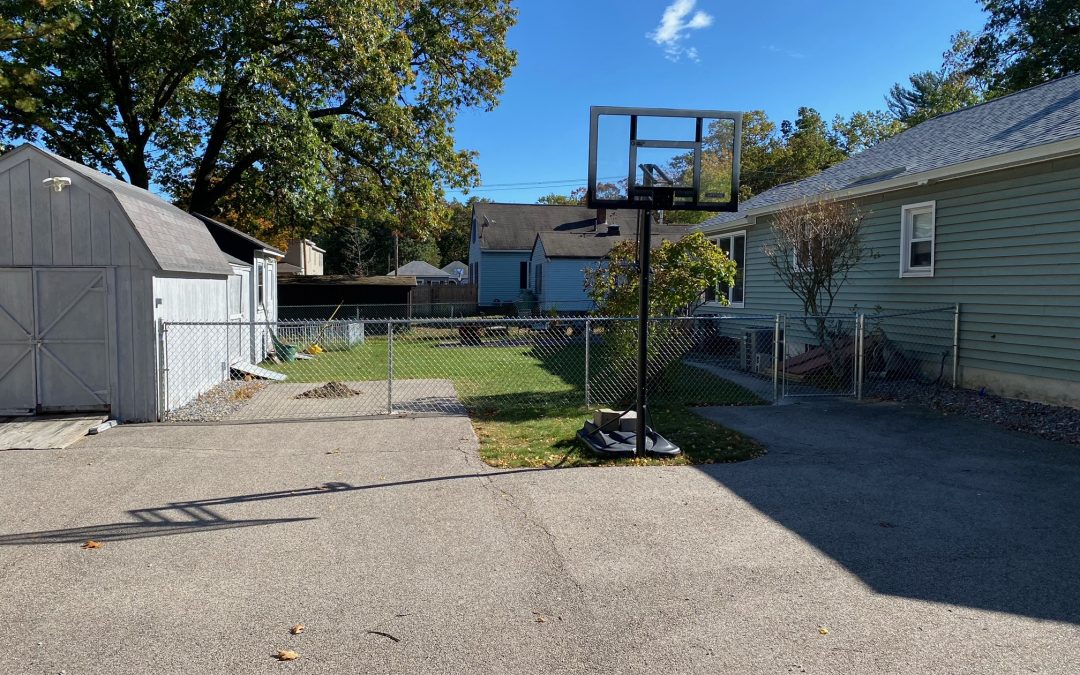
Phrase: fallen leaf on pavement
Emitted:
{"points": [[90, 543], [297, 629], [823, 630], [287, 655]]}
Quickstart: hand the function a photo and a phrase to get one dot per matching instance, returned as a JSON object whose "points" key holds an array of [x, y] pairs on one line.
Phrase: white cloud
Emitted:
{"points": [[678, 20], [786, 52]]}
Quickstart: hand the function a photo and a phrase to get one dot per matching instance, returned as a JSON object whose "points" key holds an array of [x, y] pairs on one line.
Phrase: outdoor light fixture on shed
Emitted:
{"points": [[56, 183]]}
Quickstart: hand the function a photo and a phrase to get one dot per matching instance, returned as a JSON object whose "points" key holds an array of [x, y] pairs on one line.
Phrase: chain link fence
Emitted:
{"points": [[350, 367]]}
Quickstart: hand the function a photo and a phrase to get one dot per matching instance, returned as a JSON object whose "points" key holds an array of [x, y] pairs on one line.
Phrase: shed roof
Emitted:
{"points": [[1042, 115], [178, 241], [513, 227], [418, 268], [227, 236]]}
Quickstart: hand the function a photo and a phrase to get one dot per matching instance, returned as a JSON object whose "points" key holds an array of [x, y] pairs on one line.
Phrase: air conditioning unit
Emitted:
{"points": [[756, 349]]}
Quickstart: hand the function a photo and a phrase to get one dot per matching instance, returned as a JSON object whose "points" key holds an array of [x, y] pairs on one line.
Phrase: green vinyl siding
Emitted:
{"points": [[1007, 249]]}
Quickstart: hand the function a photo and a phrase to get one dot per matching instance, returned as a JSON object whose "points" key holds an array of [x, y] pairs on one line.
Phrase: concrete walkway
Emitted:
{"points": [[952, 551]]}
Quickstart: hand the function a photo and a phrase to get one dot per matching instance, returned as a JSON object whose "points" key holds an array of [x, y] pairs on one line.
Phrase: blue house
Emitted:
{"points": [[544, 248], [559, 261], [503, 235]]}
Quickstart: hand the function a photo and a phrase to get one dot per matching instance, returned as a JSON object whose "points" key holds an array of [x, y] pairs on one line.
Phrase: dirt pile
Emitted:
{"points": [[330, 390]]}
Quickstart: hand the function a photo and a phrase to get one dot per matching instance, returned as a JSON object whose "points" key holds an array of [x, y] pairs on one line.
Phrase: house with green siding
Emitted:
{"points": [[978, 208]]}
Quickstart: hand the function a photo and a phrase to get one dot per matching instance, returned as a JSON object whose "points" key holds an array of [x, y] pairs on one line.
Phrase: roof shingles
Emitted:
{"points": [[1047, 113]]}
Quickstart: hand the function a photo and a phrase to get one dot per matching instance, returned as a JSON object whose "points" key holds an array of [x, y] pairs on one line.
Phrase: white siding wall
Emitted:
{"points": [[198, 357]]}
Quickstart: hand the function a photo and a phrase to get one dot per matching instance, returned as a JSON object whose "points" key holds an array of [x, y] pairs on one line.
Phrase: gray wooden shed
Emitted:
{"points": [[86, 274]]}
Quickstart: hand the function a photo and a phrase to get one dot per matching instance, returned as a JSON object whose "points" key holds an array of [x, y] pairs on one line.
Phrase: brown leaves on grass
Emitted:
{"points": [[90, 543], [286, 655]]}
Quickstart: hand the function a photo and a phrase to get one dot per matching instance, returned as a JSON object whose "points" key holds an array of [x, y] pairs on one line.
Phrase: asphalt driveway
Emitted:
{"points": [[867, 540]]}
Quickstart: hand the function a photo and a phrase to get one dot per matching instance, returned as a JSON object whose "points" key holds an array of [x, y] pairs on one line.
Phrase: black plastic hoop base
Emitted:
{"points": [[616, 444]]}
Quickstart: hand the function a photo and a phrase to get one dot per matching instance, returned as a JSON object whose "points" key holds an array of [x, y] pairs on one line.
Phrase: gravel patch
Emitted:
{"points": [[217, 403], [1055, 423]]}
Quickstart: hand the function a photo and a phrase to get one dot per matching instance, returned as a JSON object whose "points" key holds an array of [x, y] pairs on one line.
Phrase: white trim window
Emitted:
{"points": [[235, 288], [917, 228], [733, 244]]}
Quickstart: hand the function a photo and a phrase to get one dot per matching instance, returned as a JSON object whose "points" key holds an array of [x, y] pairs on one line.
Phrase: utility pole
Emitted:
{"points": [[397, 259]]}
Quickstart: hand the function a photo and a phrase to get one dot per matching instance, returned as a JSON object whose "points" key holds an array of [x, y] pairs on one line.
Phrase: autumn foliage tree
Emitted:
{"points": [[259, 109]]}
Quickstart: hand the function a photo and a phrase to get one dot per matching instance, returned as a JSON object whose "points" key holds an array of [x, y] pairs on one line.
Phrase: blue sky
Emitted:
{"points": [[838, 56]]}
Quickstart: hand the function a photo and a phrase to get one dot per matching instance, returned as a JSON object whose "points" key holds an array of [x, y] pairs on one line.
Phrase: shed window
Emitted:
{"points": [[917, 240], [734, 246], [236, 296], [260, 284]]}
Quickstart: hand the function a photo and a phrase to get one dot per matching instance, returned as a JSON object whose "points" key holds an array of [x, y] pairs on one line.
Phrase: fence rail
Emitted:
{"points": [[345, 367]]}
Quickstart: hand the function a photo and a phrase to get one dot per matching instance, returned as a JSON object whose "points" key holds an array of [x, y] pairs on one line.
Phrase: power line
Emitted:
{"points": [[565, 182]]}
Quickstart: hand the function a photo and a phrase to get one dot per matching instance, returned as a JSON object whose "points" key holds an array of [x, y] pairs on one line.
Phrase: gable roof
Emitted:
{"points": [[513, 227], [418, 268], [1022, 122], [592, 246], [176, 240], [453, 267]]}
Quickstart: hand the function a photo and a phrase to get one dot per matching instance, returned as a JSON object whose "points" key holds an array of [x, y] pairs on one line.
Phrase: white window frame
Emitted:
{"points": [[715, 239], [230, 287], [906, 229]]}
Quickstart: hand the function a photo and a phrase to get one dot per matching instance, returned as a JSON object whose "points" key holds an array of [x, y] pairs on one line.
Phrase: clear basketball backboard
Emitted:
{"points": [[656, 158]]}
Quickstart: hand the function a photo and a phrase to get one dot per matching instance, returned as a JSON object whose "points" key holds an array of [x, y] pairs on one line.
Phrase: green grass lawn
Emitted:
{"points": [[527, 402]]}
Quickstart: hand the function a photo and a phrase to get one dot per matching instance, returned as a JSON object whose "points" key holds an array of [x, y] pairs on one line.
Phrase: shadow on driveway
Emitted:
{"points": [[197, 515], [920, 505]]}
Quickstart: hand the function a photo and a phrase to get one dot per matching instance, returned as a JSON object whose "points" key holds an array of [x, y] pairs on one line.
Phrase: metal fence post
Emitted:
{"points": [[860, 326], [783, 356], [588, 332], [956, 346], [163, 374], [389, 367], [776, 361]]}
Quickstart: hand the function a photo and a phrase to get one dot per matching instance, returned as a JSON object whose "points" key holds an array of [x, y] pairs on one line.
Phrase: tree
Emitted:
{"points": [[578, 197], [932, 93], [1026, 42], [814, 248], [563, 200], [863, 130], [681, 270], [262, 108], [453, 242]]}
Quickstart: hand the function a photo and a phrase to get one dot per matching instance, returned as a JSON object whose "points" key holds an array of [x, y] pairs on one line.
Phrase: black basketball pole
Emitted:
{"points": [[644, 253]]}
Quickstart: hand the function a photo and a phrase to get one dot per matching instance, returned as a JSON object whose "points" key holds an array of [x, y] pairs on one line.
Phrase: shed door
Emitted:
{"points": [[72, 339], [18, 393]]}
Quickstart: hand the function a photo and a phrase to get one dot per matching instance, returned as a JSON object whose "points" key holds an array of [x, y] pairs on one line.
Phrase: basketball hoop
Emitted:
{"points": [[664, 154]]}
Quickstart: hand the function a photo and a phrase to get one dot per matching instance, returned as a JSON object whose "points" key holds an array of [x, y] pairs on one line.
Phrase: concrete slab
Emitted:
{"points": [[45, 432], [922, 544]]}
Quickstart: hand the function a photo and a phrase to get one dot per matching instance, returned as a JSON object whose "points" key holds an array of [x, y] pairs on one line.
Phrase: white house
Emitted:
{"points": [[94, 268], [303, 257]]}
